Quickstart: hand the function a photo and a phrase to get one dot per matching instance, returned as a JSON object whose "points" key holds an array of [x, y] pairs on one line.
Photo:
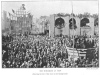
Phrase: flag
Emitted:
{"points": [[13, 11], [9, 14]]}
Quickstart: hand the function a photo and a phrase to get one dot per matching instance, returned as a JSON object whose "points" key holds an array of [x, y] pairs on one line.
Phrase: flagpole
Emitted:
{"points": [[15, 18], [54, 25], [69, 34], [10, 22], [73, 29]]}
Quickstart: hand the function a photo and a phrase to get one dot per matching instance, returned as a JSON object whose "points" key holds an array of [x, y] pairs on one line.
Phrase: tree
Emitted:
{"points": [[60, 14], [80, 15], [67, 14], [84, 21], [86, 14]]}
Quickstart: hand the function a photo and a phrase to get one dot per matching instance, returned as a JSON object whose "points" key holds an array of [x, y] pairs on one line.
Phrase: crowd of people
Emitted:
{"points": [[85, 42], [37, 51]]}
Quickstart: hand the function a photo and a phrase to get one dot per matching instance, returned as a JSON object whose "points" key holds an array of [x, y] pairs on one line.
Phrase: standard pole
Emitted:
{"points": [[73, 29], [54, 25], [69, 34], [10, 24]]}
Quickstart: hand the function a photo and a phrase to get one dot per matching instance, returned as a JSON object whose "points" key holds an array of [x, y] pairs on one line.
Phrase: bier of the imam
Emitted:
{"points": [[60, 24]]}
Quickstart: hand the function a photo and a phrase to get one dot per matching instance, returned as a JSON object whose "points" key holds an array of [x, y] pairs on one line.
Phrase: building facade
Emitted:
{"points": [[5, 23], [21, 21], [71, 25]]}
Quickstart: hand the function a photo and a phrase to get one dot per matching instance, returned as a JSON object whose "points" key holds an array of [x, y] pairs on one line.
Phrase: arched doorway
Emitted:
{"points": [[72, 23], [84, 26], [84, 22], [59, 24]]}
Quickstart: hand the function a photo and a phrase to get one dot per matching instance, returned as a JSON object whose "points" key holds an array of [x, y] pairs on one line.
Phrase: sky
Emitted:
{"points": [[46, 8]]}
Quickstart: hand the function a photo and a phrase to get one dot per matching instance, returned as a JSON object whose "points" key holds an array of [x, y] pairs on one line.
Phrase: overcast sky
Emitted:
{"points": [[52, 7]]}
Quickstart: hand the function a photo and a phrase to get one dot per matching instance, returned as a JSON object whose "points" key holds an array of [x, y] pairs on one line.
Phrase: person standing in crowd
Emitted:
{"points": [[37, 51]]}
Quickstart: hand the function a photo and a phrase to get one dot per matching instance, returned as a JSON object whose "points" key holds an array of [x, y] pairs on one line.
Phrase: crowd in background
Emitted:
{"points": [[36, 51], [85, 42]]}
